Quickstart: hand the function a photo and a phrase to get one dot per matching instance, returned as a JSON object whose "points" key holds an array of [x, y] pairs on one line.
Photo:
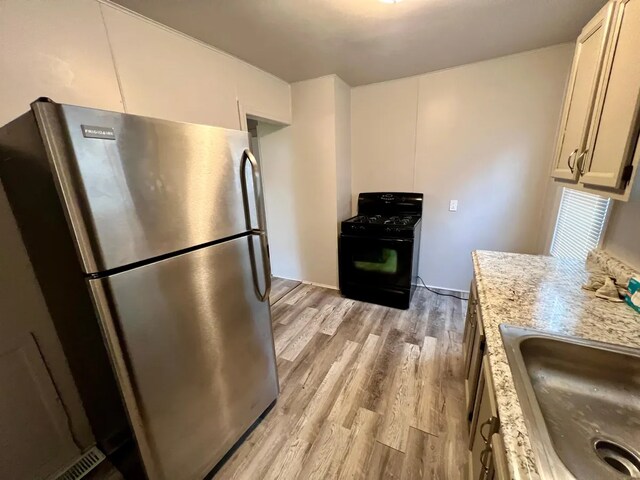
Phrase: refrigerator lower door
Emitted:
{"points": [[192, 347]]}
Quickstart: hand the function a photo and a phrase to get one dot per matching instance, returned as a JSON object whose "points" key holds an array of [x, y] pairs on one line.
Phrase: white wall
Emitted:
{"points": [[54, 49], [165, 74], [308, 210], [281, 192], [98, 55], [343, 149], [23, 312], [482, 134], [383, 136], [306, 171], [169, 76], [622, 237]]}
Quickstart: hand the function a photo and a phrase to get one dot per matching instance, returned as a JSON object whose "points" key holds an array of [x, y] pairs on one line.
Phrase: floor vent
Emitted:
{"points": [[83, 465]]}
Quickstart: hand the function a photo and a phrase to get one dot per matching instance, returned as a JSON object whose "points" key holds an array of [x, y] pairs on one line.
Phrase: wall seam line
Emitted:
{"points": [[113, 59], [133, 13], [415, 137]]}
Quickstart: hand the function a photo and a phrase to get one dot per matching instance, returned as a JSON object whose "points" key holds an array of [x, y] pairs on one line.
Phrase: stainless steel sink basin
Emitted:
{"points": [[581, 403]]}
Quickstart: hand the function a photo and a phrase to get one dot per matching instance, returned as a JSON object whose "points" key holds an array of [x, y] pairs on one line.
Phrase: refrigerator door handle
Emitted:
{"points": [[265, 266], [261, 231], [257, 188]]}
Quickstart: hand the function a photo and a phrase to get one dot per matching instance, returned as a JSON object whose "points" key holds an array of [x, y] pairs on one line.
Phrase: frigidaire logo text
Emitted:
{"points": [[98, 132], [105, 133]]}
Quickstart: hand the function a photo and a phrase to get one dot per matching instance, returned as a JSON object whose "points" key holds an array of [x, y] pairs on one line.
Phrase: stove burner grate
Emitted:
{"points": [[395, 220]]}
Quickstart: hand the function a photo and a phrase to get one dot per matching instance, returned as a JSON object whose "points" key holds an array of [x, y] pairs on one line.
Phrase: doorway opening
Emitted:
{"points": [[270, 144]]}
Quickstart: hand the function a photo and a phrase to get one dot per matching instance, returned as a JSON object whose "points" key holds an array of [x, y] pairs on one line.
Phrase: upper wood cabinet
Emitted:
{"points": [[614, 129], [581, 93], [600, 123]]}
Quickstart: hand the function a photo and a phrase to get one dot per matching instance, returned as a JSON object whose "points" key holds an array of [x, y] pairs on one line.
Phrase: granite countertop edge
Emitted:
{"points": [[543, 293]]}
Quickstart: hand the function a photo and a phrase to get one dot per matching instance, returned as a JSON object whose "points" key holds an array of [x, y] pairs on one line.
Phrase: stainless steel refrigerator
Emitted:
{"points": [[149, 244]]}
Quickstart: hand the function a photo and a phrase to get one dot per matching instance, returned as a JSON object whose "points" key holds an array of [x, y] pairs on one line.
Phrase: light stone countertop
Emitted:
{"points": [[543, 293]]}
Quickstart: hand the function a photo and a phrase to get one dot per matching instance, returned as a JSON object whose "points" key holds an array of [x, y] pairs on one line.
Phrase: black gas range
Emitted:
{"points": [[393, 226], [380, 247]]}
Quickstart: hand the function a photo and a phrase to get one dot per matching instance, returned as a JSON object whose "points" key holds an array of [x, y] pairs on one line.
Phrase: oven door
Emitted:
{"points": [[375, 262]]}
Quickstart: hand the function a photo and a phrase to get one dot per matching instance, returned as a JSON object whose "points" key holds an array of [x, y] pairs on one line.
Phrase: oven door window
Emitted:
{"points": [[379, 260], [376, 261]]}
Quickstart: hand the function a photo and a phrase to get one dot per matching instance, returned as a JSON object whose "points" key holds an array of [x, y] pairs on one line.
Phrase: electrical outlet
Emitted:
{"points": [[453, 205]]}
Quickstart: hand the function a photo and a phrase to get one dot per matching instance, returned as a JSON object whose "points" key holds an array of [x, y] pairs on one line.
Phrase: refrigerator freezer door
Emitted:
{"points": [[193, 350], [136, 188]]}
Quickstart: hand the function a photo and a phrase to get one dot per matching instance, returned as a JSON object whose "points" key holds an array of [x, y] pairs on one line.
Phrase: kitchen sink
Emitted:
{"points": [[581, 403]]}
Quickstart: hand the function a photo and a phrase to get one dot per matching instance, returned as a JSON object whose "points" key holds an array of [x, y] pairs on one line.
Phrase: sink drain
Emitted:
{"points": [[618, 458]]}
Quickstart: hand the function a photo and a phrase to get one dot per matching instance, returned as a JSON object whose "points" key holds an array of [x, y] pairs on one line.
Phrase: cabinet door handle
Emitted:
{"points": [[580, 162], [484, 471], [489, 422], [572, 156]]}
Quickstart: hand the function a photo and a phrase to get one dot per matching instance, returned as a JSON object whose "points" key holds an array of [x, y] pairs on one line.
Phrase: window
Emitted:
{"points": [[580, 224]]}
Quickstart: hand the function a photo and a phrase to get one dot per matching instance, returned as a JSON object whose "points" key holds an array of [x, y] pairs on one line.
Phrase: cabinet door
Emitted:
{"points": [[469, 328], [500, 465], [614, 129], [485, 423], [581, 91], [477, 351]]}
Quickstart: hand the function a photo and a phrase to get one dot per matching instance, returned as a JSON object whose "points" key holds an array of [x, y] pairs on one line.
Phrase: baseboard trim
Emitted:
{"points": [[446, 289], [306, 282], [287, 278], [333, 287], [323, 285]]}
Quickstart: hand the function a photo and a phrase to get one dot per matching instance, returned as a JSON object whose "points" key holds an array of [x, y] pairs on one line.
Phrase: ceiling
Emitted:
{"points": [[366, 41]]}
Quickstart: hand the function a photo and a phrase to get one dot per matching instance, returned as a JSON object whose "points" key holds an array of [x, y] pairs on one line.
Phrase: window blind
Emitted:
{"points": [[581, 220]]}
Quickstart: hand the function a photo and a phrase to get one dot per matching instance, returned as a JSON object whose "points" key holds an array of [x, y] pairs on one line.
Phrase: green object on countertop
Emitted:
{"points": [[633, 298]]}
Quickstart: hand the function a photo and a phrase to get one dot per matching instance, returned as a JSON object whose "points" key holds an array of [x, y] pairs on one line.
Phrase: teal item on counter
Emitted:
{"points": [[634, 292]]}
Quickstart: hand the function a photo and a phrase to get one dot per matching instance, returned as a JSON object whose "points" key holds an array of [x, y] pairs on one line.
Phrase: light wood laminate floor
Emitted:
{"points": [[366, 391], [280, 287]]}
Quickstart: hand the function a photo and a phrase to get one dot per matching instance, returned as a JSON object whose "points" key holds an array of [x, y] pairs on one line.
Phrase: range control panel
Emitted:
{"points": [[390, 203]]}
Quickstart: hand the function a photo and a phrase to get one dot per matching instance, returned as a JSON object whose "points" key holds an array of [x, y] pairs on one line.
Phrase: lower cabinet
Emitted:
{"points": [[484, 425], [500, 467], [486, 456], [473, 347]]}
